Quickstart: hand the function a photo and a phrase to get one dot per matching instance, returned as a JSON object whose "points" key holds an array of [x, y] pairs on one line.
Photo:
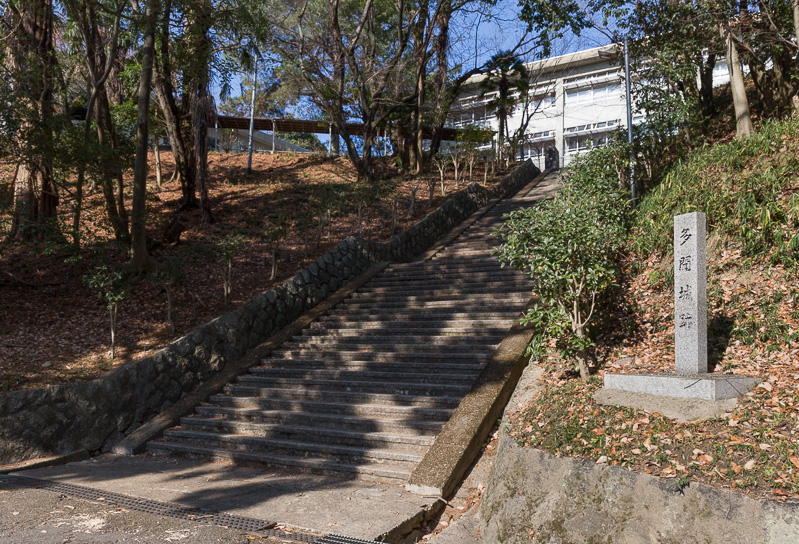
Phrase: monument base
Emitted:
{"points": [[705, 387]]}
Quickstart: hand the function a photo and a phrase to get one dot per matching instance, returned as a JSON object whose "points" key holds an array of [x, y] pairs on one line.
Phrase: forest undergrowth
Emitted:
{"points": [[54, 330]]}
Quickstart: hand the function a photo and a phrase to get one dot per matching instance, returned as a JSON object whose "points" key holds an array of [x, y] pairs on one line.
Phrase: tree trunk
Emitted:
{"points": [[583, 356], [706, 85], [420, 58], [444, 97], [169, 310], [743, 120], [200, 100], [172, 115], [139, 257], [33, 78], [112, 183], [159, 174], [113, 314], [796, 21]]}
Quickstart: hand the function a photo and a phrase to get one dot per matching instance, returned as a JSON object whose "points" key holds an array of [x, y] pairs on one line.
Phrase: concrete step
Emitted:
{"points": [[460, 252], [413, 442], [323, 421], [383, 411], [493, 271], [366, 328], [448, 288], [380, 472], [457, 284], [395, 398], [471, 304], [379, 366], [365, 386], [472, 295], [277, 446], [413, 357], [364, 348], [496, 274], [357, 376], [410, 330], [432, 339], [445, 269], [342, 318], [456, 263]]}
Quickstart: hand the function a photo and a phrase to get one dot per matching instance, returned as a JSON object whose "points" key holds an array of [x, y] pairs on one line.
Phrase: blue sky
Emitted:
{"points": [[476, 37]]}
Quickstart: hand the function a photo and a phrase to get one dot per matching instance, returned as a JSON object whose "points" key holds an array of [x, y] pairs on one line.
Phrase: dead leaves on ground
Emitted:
{"points": [[755, 448]]}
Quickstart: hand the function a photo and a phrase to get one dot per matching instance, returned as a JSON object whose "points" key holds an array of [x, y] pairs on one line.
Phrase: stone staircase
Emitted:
{"points": [[365, 390]]}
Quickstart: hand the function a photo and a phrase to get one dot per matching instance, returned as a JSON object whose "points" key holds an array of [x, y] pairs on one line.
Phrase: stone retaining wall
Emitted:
{"points": [[534, 497], [95, 415]]}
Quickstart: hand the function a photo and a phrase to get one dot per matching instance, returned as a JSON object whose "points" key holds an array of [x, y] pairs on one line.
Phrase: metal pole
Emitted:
{"points": [[385, 143], [629, 113], [252, 121], [216, 133], [273, 136]]}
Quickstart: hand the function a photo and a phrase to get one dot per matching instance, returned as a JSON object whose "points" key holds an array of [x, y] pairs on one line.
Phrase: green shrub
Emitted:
{"points": [[569, 247], [110, 285]]}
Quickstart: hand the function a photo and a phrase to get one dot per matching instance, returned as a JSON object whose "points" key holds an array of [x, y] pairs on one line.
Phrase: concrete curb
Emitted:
{"points": [[459, 442], [136, 440], [402, 530], [72, 457]]}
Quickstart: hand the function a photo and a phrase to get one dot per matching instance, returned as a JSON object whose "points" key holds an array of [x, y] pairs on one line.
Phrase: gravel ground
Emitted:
{"points": [[43, 517]]}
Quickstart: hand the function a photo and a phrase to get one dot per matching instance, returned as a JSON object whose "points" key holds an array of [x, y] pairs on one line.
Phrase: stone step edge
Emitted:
{"points": [[351, 375], [322, 364], [353, 386], [311, 407], [353, 421], [421, 440], [331, 450], [415, 400], [379, 470]]}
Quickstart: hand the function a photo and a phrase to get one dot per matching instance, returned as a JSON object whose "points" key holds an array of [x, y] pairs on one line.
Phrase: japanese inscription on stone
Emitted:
{"points": [[690, 294]]}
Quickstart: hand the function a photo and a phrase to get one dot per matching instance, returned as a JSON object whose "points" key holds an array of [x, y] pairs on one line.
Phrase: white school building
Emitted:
{"points": [[577, 100]]}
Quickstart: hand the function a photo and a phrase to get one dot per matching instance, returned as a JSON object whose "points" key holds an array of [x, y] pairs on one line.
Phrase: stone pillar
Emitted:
{"points": [[690, 294]]}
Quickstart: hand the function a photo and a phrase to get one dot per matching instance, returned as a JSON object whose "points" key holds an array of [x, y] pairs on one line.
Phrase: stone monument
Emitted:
{"points": [[690, 294], [692, 379]]}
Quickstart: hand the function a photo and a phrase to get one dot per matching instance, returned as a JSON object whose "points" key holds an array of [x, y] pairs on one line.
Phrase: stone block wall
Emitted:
{"points": [[534, 497], [95, 415]]}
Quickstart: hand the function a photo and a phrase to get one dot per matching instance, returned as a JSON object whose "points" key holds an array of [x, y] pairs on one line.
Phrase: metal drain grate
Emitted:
{"points": [[289, 536], [139, 505], [339, 539]]}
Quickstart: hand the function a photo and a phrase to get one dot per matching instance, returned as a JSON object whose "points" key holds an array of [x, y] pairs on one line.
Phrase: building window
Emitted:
{"points": [[592, 78], [545, 102], [579, 96], [593, 94], [599, 126]]}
